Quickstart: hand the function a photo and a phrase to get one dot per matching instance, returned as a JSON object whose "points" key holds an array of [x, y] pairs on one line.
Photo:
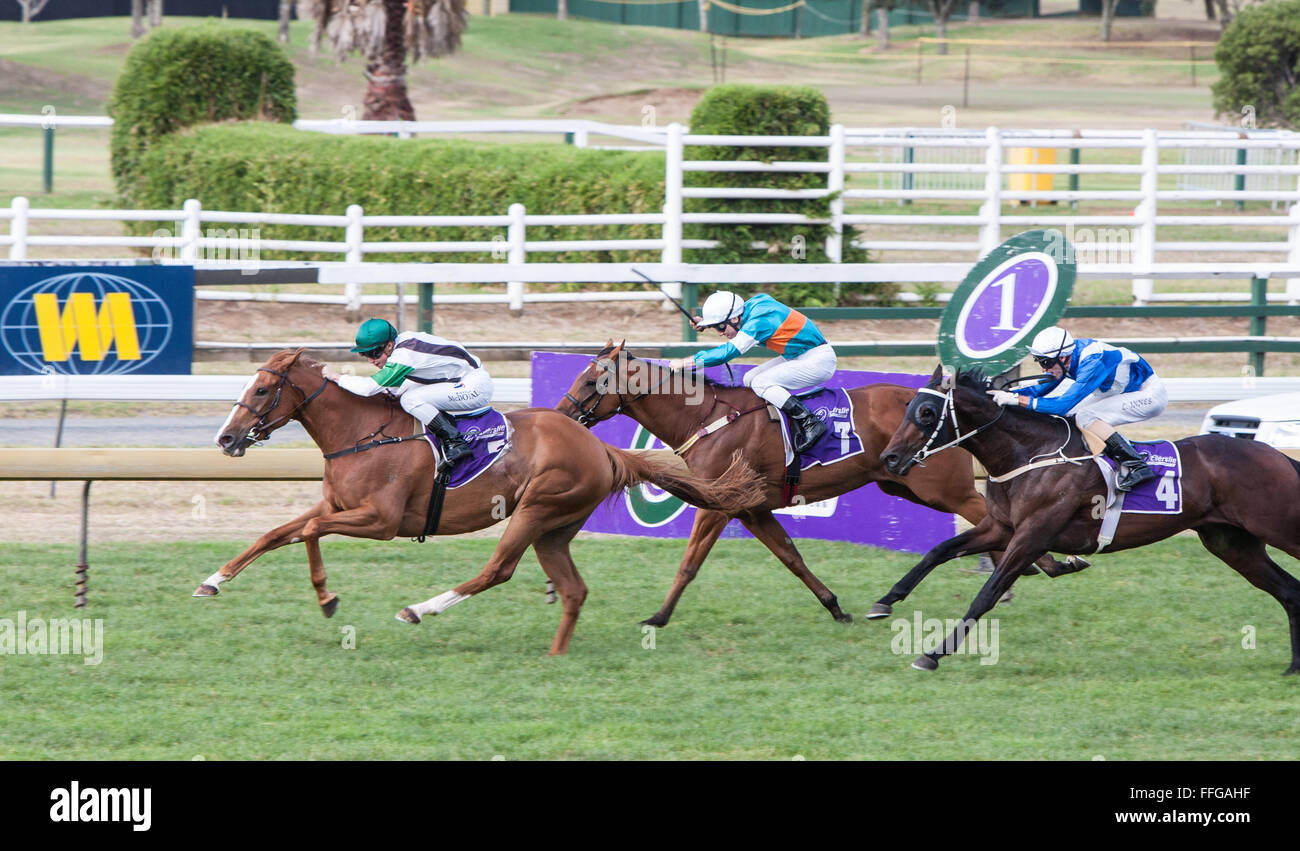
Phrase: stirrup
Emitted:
{"points": [[1131, 477]]}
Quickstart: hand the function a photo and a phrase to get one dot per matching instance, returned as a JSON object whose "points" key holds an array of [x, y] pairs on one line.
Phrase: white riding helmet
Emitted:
{"points": [[1053, 342], [720, 307]]}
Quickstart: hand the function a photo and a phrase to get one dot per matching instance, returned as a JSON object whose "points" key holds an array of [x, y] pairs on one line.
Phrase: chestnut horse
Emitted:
{"points": [[1238, 495], [670, 408], [551, 478]]}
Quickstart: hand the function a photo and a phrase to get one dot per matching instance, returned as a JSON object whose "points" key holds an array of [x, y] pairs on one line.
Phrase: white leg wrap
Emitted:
{"points": [[216, 579], [439, 604]]}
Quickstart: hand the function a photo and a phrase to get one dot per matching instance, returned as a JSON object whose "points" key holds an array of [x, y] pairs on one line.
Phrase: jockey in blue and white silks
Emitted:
{"points": [[806, 359], [1112, 386]]}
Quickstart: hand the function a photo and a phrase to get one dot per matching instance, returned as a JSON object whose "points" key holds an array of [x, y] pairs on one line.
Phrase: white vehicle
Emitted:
{"points": [[1274, 420]]}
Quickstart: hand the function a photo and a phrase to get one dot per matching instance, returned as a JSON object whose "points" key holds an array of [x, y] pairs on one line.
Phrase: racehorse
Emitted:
{"points": [[1238, 496], [616, 382], [378, 485]]}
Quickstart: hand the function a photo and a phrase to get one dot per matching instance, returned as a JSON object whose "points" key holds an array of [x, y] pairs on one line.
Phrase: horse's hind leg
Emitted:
{"points": [[1246, 554], [553, 554], [704, 534], [765, 527], [516, 539]]}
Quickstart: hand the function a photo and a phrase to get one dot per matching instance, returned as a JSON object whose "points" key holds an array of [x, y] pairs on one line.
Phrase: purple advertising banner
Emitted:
{"points": [[864, 516]]}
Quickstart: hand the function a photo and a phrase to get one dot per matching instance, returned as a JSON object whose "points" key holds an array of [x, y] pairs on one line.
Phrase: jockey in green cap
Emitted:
{"points": [[428, 374]]}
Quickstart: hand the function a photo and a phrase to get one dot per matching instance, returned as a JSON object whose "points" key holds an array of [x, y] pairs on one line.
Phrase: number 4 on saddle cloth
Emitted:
{"points": [[833, 407], [1160, 495], [487, 432]]}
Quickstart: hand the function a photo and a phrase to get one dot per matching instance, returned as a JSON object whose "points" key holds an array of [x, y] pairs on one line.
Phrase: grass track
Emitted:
{"points": [[1139, 658]]}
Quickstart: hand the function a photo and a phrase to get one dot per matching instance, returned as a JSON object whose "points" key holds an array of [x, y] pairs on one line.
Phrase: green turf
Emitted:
{"points": [[1139, 658]]}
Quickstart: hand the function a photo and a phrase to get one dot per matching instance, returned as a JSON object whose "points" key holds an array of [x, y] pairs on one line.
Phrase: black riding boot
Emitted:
{"points": [[808, 428], [454, 446], [1133, 469]]}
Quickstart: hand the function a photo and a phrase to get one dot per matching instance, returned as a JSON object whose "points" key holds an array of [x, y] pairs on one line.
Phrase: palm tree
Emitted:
{"points": [[385, 31]]}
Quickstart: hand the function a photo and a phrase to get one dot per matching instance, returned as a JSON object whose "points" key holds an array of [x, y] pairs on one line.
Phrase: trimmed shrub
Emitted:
{"points": [[272, 168], [746, 110], [176, 78], [1259, 64]]}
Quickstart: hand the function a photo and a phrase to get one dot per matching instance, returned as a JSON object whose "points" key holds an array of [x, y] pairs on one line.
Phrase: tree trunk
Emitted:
{"points": [[882, 29], [155, 13], [26, 6], [865, 30], [1209, 10], [137, 18], [704, 16], [973, 11], [386, 98], [562, 10], [283, 35], [1107, 17], [941, 31]]}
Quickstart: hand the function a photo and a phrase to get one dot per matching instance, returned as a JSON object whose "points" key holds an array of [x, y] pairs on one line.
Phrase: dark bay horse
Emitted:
{"points": [[673, 407], [548, 482], [1238, 495]]}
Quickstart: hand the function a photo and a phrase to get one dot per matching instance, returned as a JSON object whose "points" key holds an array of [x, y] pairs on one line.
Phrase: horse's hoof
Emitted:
{"points": [[205, 591], [1079, 563], [844, 617], [408, 615], [925, 663], [1294, 669], [880, 610], [655, 620], [328, 609]]}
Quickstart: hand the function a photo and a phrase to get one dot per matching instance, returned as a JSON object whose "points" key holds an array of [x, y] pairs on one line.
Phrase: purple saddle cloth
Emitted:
{"points": [[833, 407], [1164, 493], [488, 434]]}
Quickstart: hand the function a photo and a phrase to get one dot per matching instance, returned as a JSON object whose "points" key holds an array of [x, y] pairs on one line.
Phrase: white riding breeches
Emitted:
{"points": [[426, 401], [774, 380], [1117, 408]]}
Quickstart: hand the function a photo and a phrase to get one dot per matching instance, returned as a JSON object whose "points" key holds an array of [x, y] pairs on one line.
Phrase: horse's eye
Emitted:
{"points": [[261, 391]]}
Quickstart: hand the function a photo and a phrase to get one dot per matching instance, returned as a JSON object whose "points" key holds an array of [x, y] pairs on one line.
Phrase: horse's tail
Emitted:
{"points": [[734, 491]]}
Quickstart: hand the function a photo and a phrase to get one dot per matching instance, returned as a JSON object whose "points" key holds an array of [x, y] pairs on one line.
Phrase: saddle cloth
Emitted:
{"points": [[1161, 495], [488, 433], [833, 407]]}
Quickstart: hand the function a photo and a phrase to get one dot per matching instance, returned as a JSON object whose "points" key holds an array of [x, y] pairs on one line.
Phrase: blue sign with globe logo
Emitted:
{"points": [[96, 320]]}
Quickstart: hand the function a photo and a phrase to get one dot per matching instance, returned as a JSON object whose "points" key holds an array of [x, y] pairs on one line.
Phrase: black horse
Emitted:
{"points": [[1238, 495]]}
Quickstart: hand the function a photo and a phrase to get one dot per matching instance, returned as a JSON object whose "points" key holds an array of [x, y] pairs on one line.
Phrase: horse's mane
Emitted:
{"points": [[974, 379]]}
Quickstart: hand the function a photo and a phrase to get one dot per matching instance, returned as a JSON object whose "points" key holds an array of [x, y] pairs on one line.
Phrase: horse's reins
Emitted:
{"points": [[950, 410], [258, 429], [586, 415], [362, 447]]}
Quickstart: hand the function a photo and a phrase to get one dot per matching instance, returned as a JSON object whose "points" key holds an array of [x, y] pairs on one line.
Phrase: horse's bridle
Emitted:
{"points": [[260, 429], [586, 415], [949, 412]]}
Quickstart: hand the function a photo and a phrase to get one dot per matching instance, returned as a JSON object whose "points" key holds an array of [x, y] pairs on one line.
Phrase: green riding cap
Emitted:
{"points": [[374, 333]]}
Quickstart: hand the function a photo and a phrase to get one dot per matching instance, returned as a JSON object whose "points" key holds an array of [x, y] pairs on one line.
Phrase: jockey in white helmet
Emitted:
{"points": [[428, 374], [806, 359], [1112, 386]]}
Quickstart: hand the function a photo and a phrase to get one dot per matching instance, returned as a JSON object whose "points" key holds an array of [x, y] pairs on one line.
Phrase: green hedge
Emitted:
{"points": [[272, 168], [176, 78], [769, 111], [1259, 63]]}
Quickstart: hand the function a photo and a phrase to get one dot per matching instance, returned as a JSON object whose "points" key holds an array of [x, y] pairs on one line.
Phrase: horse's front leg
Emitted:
{"points": [[988, 535], [289, 533], [1020, 553], [368, 521]]}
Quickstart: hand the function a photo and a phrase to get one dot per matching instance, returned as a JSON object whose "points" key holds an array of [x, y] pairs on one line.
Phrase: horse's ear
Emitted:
{"points": [[617, 350], [936, 375]]}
